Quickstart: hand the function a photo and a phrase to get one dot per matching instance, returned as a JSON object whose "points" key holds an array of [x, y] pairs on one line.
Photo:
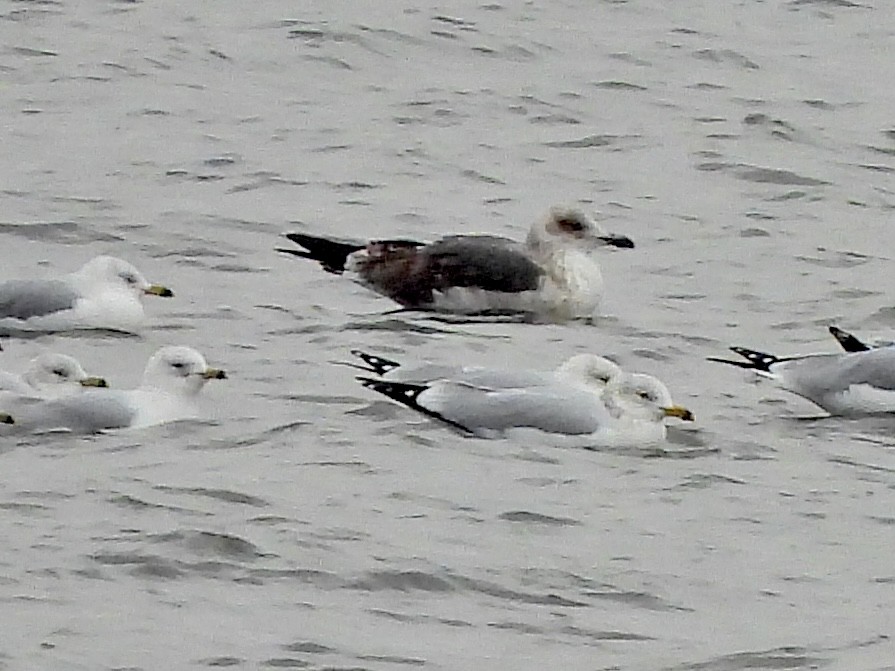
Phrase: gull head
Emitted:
{"points": [[568, 228], [107, 271], [179, 370], [56, 374], [594, 372], [638, 397]]}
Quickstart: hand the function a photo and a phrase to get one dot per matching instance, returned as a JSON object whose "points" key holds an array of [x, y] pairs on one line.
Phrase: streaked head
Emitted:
{"points": [[53, 374], [637, 396], [105, 270], [179, 369], [593, 371], [565, 227]]}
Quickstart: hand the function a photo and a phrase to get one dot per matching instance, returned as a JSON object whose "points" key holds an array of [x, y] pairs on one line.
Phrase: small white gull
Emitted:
{"points": [[553, 275], [629, 411], [852, 383], [49, 375], [171, 381], [589, 369], [105, 293]]}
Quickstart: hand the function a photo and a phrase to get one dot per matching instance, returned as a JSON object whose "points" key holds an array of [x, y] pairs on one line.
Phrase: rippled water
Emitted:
{"points": [[746, 147]]}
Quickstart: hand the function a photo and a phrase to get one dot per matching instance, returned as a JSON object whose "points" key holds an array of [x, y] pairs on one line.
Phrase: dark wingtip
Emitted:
{"points": [[377, 364], [847, 341], [407, 394], [758, 360], [730, 362], [620, 241], [331, 254]]}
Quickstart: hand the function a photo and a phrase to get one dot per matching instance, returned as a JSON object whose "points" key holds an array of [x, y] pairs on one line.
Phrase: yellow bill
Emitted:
{"points": [[158, 290], [678, 411]]}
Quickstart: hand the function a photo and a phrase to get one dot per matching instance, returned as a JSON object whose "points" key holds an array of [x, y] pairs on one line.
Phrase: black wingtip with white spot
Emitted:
{"points": [[408, 394], [847, 341], [376, 364], [757, 360]]}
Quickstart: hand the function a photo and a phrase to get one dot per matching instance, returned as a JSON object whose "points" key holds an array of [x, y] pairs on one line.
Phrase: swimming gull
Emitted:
{"points": [[630, 411], [847, 384], [49, 375], [171, 381], [105, 293], [590, 369], [552, 275]]}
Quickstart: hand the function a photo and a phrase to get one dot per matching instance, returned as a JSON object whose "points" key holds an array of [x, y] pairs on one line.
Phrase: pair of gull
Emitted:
{"points": [[586, 395], [53, 393], [56, 393]]}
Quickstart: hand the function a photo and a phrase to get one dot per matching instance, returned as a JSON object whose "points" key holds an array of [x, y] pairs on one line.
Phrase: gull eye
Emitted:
{"points": [[645, 395], [128, 278], [60, 372], [570, 225], [178, 365]]}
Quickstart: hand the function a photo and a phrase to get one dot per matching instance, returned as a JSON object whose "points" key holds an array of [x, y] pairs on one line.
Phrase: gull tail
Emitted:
{"points": [[331, 254], [755, 360], [847, 341], [376, 364], [408, 394]]}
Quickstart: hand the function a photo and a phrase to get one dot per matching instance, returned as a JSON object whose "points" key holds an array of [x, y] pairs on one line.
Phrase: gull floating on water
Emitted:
{"points": [[105, 293], [629, 411], [49, 375], [856, 382], [552, 275], [172, 379], [589, 369]]}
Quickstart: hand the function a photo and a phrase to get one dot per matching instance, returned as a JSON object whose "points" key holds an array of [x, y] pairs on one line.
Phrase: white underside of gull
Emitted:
{"points": [[571, 288]]}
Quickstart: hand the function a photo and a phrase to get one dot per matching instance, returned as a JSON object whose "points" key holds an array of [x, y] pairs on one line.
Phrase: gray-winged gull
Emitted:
{"points": [[552, 275], [172, 379], [629, 411], [853, 383], [590, 369], [105, 293], [49, 375]]}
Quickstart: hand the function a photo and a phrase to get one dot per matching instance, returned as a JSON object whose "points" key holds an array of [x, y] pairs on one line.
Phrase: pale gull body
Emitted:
{"points": [[105, 293], [629, 411], [553, 275], [49, 375], [171, 381], [853, 383], [589, 369]]}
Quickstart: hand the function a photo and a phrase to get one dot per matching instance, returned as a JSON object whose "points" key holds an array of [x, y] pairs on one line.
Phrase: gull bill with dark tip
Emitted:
{"points": [[159, 290], [678, 411]]}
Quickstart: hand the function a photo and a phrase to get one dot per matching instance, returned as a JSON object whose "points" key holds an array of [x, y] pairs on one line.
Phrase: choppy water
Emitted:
{"points": [[746, 147]]}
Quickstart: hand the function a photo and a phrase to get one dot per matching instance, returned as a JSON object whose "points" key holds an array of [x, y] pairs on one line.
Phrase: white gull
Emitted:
{"points": [[853, 383], [49, 375], [105, 293], [589, 369]]}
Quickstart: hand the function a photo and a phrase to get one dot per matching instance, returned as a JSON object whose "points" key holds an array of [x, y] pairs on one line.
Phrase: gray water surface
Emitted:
{"points": [[747, 148]]}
